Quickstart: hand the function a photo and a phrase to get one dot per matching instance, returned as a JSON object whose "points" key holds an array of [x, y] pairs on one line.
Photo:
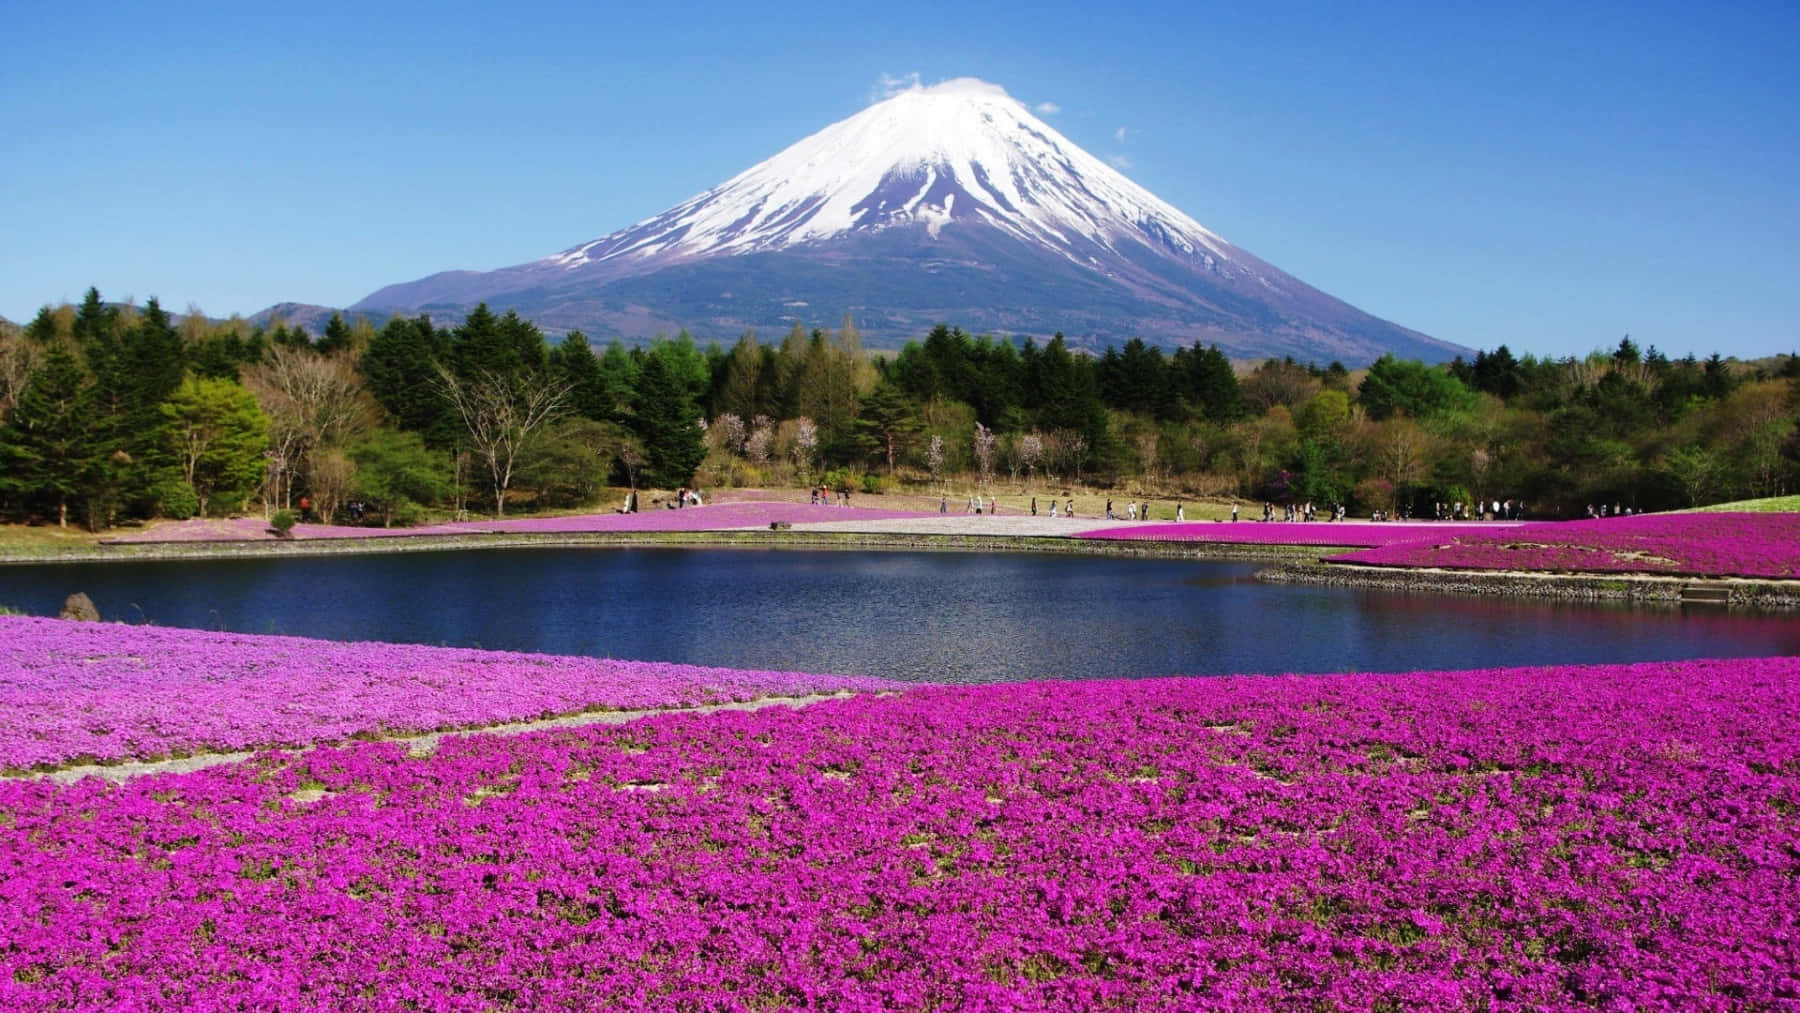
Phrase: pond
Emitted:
{"points": [[941, 616]]}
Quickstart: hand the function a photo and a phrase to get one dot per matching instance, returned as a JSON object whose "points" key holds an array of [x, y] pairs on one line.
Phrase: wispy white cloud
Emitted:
{"points": [[1120, 162], [1119, 134], [1047, 108], [889, 85]]}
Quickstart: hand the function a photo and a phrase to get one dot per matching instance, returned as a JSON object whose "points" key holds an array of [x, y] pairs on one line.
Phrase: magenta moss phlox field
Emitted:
{"points": [[1284, 533], [1695, 544], [1609, 837], [90, 691]]}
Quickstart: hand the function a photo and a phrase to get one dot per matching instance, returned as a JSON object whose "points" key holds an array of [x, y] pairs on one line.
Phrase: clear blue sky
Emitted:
{"points": [[1549, 176]]}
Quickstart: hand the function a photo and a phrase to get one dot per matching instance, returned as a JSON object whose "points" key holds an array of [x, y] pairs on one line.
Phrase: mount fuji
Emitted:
{"points": [[950, 203]]}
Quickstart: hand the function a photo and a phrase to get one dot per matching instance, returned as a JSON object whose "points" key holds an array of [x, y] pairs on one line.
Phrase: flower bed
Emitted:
{"points": [[1314, 533], [1687, 544], [101, 692], [1613, 837], [715, 517]]}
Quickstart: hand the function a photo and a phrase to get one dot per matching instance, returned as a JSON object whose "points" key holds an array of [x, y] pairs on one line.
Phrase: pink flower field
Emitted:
{"points": [[1693, 544], [1314, 533], [74, 692], [1609, 837]]}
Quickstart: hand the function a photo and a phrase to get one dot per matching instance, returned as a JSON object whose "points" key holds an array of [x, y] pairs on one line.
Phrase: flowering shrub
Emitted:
{"points": [[71, 691], [1610, 837], [1259, 533], [1697, 544]]}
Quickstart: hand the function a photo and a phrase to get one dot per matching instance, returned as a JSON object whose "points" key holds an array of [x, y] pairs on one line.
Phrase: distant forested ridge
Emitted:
{"points": [[114, 413]]}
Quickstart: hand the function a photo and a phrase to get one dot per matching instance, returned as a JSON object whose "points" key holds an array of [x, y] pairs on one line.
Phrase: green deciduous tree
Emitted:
{"points": [[396, 473], [217, 435], [1403, 386]]}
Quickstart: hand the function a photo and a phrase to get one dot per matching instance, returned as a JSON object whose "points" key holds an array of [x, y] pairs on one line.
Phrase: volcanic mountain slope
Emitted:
{"points": [[950, 203]]}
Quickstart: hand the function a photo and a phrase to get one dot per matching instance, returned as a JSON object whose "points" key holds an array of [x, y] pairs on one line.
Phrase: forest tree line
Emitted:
{"points": [[116, 413]]}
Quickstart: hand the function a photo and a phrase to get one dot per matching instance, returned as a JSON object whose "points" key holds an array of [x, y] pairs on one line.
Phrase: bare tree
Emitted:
{"points": [[330, 475], [16, 363], [501, 413], [312, 401], [1403, 447]]}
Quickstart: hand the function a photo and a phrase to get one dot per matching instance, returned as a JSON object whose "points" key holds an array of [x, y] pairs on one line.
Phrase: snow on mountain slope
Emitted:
{"points": [[955, 152]]}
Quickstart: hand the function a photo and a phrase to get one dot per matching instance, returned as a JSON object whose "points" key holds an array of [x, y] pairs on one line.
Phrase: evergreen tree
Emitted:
{"points": [[572, 362], [618, 378], [400, 367], [337, 336], [887, 423], [95, 319], [45, 441], [1203, 377], [1066, 396], [666, 419]]}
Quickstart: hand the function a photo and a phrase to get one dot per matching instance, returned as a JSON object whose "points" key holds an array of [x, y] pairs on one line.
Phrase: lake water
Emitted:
{"points": [[944, 616]]}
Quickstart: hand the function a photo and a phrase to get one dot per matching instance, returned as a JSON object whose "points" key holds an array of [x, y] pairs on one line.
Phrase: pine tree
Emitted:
{"points": [[667, 421], [337, 335], [572, 362], [887, 423], [399, 367]]}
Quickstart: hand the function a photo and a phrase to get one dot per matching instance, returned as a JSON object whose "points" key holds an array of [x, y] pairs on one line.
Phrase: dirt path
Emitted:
{"points": [[417, 745]]}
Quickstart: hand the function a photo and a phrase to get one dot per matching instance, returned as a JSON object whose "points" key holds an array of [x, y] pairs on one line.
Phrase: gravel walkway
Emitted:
{"points": [[998, 525], [417, 745]]}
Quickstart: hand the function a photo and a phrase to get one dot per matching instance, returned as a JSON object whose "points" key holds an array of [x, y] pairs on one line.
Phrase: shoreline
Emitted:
{"points": [[792, 538], [1633, 588]]}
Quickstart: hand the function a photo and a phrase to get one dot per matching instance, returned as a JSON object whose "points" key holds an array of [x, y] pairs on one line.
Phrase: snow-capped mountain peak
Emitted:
{"points": [[950, 203], [959, 152]]}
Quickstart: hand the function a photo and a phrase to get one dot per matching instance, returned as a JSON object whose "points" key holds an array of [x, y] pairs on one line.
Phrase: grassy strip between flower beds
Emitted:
{"points": [[1616, 837]]}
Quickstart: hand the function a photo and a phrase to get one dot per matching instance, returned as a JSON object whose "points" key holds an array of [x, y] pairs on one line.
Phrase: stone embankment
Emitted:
{"points": [[1636, 588]]}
